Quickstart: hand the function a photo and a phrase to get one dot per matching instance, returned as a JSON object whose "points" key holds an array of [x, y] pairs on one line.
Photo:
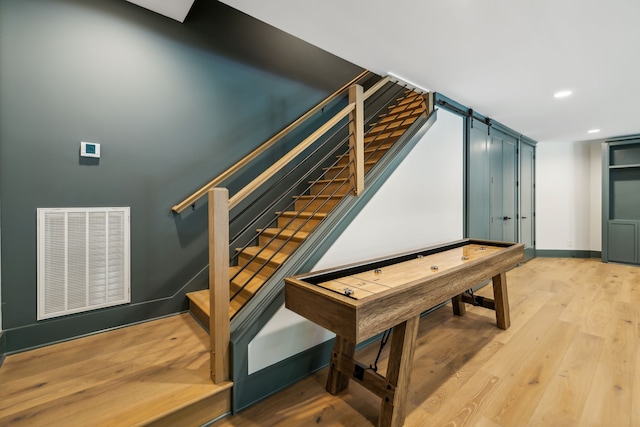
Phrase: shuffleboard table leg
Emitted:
{"points": [[501, 298], [403, 342], [337, 381], [459, 308]]}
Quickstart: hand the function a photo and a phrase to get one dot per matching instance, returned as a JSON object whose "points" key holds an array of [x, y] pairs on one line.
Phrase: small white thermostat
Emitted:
{"points": [[89, 149]]}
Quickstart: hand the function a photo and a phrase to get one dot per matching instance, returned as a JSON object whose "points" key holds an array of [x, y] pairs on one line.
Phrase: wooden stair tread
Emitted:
{"points": [[411, 97], [339, 167], [385, 118], [328, 181], [286, 234], [200, 298], [302, 214], [264, 255], [306, 196], [241, 277], [415, 103]]}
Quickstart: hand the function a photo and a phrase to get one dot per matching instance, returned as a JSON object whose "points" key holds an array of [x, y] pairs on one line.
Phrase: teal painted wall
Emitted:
{"points": [[171, 104]]}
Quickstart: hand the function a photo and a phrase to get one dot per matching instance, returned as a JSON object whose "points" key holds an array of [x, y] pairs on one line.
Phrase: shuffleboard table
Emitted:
{"points": [[360, 301]]}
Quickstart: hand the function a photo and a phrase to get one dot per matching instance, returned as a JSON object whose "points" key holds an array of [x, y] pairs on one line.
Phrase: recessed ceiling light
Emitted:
{"points": [[593, 131], [562, 94]]}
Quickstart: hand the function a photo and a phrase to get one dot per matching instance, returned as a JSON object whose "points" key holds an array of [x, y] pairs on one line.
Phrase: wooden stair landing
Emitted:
{"points": [[151, 374]]}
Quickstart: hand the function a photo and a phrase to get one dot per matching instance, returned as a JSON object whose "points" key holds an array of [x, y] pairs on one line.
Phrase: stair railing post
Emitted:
{"points": [[356, 139], [219, 334], [429, 98]]}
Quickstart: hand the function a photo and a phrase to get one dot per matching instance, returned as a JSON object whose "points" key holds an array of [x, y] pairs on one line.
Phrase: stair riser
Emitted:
{"points": [[247, 292], [399, 126], [337, 172], [409, 114], [375, 156], [402, 108], [379, 144], [301, 224], [338, 188], [372, 155], [277, 244], [410, 99], [257, 266], [381, 136], [320, 204]]}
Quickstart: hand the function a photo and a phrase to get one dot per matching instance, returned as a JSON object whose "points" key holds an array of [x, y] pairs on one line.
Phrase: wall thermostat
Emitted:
{"points": [[89, 149]]}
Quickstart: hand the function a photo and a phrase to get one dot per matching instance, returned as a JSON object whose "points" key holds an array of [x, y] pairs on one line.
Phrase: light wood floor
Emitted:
{"points": [[154, 373], [570, 358]]}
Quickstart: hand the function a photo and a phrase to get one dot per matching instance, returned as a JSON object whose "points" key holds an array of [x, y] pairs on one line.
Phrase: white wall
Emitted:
{"points": [[568, 196], [421, 204]]}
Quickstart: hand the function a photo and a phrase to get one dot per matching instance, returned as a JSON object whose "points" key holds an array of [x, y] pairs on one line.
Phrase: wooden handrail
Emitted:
{"points": [[376, 87], [264, 176], [180, 207]]}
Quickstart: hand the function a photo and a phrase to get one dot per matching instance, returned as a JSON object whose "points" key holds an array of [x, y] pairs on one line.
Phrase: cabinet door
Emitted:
{"points": [[478, 214], [509, 191], [503, 196], [623, 241], [527, 177], [621, 201]]}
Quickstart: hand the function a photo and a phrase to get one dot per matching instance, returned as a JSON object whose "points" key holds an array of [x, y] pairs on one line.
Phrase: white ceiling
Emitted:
{"points": [[174, 9], [503, 58]]}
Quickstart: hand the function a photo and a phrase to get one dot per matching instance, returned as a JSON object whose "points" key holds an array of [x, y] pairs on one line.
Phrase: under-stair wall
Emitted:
{"points": [[413, 201]]}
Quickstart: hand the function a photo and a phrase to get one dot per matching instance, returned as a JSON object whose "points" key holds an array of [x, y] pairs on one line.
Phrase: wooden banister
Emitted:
{"points": [[178, 208], [356, 138], [264, 176], [376, 87]]}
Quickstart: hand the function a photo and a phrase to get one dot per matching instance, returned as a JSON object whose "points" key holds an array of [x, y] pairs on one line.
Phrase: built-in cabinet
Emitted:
{"points": [[500, 201], [621, 200]]}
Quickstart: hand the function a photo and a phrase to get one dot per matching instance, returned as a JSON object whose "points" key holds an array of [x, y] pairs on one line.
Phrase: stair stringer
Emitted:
{"points": [[249, 389]]}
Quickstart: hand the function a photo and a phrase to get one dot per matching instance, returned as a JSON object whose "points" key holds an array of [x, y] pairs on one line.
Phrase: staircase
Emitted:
{"points": [[255, 264]]}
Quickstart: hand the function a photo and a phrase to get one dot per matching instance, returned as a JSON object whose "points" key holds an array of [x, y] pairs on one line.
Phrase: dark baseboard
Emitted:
{"points": [[571, 253], [3, 347], [61, 329]]}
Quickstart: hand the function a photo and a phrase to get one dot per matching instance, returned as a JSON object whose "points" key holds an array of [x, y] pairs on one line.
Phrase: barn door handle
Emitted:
{"points": [[506, 218], [523, 217]]}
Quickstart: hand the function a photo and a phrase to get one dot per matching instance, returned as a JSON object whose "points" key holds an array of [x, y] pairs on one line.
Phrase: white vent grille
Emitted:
{"points": [[83, 259]]}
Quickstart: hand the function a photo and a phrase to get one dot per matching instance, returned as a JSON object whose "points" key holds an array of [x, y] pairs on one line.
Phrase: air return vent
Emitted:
{"points": [[83, 259]]}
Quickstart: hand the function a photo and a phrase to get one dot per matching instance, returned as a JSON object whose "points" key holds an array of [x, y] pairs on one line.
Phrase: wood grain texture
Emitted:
{"points": [[403, 339], [219, 283], [368, 301], [356, 138], [338, 379], [382, 298], [148, 374], [565, 360]]}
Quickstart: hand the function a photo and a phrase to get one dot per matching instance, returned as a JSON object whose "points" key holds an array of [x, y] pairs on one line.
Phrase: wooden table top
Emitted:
{"points": [[384, 292], [366, 284]]}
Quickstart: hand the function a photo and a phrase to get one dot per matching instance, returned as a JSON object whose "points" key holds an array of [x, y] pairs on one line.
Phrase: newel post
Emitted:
{"points": [[356, 139], [219, 283]]}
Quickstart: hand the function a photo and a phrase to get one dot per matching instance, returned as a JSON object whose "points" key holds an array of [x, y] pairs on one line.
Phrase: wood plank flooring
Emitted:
{"points": [[155, 373], [570, 358]]}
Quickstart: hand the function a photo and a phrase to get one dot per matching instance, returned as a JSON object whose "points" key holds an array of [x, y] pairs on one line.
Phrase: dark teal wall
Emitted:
{"points": [[171, 104]]}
